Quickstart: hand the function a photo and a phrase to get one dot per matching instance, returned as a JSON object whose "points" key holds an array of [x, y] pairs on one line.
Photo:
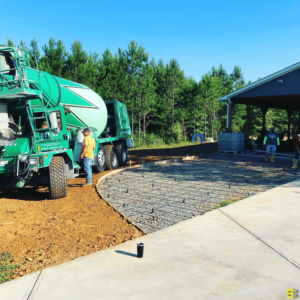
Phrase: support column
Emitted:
{"points": [[264, 111], [229, 116], [248, 122], [289, 112], [299, 124]]}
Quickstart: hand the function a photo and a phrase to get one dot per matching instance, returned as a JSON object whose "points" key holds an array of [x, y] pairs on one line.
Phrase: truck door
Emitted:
{"points": [[124, 124]]}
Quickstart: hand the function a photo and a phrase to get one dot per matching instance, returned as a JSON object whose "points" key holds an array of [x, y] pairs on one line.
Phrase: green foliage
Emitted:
{"points": [[225, 203], [54, 57], [163, 104], [176, 131], [7, 270], [9, 43]]}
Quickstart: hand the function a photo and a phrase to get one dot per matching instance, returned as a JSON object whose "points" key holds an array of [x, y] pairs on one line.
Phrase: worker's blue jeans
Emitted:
{"points": [[296, 153], [270, 149], [87, 166]]}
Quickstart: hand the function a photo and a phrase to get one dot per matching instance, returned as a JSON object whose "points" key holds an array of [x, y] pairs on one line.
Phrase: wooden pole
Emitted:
{"points": [[299, 124], [264, 111], [289, 112], [230, 109], [248, 122]]}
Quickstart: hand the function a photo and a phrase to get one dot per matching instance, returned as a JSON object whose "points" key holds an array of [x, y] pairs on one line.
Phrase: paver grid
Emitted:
{"points": [[160, 196]]}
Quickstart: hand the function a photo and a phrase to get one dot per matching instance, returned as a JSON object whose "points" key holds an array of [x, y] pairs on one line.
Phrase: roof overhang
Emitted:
{"points": [[260, 82]]}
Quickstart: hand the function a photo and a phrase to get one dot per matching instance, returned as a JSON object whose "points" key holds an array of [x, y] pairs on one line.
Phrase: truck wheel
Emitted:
{"points": [[111, 157], [58, 178], [122, 153], [100, 159]]}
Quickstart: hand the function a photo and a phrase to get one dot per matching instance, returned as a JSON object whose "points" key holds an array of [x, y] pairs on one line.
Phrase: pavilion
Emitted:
{"points": [[280, 90]]}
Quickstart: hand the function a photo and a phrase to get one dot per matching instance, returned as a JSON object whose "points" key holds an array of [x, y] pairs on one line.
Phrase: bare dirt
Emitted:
{"points": [[42, 232]]}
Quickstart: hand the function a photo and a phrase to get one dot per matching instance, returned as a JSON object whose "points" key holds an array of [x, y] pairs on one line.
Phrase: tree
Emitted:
{"points": [[54, 58], [146, 97], [210, 89], [9, 43], [36, 53], [135, 58], [174, 81], [239, 113], [112, 76]]}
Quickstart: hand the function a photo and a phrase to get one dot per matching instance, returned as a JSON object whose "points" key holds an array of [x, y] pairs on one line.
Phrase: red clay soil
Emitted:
{"points": [[42, 232]]}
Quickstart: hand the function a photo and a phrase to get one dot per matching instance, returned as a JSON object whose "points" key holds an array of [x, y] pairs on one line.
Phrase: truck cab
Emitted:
{"points": [[34, 142]]}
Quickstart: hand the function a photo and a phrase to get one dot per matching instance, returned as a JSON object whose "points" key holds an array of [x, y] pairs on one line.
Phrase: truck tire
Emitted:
{"points": [[57, 178], [100, 159], [122, 153], [111, 156]]}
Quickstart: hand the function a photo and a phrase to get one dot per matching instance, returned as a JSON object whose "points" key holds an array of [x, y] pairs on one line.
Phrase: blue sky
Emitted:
{"points": [[261, 37]]}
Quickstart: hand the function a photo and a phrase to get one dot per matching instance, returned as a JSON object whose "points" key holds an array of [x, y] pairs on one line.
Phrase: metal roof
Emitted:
{"points": [[261, 81]]}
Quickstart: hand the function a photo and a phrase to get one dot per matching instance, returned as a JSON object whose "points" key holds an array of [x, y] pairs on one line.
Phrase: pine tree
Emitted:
{"points": [[136, 58], [54, 58], [239, 113], [75, 66], [174, 81], [9, 43], [147, 97]]}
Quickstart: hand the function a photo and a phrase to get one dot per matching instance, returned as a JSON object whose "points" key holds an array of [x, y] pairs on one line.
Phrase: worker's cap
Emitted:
{"points": [[86, 130], [67, 107], [272, 128], [44, 123]]}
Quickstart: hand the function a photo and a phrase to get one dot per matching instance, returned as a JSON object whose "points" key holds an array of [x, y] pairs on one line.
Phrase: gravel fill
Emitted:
{"points": [[160, 196]]}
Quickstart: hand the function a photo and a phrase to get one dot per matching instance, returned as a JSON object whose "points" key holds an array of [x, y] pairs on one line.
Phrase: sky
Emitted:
{"points": [[261, 37]]}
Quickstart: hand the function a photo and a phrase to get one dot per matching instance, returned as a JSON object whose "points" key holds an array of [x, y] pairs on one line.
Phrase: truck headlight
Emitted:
{"points": [[34, 161]]}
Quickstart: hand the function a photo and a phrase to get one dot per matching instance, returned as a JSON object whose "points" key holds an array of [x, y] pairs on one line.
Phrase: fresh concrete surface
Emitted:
{"points": [[19, 288], [244, 251], [274, 217]]}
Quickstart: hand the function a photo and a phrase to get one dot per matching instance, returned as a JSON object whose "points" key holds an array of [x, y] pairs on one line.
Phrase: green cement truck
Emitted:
{"points": [[42, 118]]}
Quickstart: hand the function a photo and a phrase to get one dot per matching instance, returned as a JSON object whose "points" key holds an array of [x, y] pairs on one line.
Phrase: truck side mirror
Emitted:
{"points": [[53, 121]]}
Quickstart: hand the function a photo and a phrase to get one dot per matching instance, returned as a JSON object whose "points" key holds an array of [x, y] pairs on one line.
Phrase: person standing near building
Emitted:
{"points": [[271, 141], [87, 154], [296, 139]]}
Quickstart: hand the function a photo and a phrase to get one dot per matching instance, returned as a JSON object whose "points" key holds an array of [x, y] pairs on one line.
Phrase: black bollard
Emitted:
{"points": [[140, 250]]}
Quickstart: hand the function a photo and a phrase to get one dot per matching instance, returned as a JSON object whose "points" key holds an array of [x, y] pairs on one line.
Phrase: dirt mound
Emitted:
{"points": [[41, 233]]}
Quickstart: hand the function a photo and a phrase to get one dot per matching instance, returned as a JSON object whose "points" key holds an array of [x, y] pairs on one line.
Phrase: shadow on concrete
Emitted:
{"points": [[126, 253]]}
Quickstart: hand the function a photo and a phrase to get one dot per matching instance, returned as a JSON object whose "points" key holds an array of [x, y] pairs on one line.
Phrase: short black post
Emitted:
{"points": [[140, 250]]}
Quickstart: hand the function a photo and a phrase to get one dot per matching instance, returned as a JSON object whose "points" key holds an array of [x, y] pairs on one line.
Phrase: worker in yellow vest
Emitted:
{"points": [[87, 154], [271, 141]]}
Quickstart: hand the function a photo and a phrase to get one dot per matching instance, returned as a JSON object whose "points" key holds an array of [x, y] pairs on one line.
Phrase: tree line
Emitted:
{"points": [[164, 105]]}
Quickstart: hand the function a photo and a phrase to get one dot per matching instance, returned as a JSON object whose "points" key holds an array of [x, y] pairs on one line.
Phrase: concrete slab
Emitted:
{"points": [[248, 250], [274, 217], [208, 257], [18, 289]]}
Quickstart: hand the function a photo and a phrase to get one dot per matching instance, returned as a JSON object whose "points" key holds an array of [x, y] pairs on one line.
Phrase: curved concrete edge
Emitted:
{"points": [[162, 162]]}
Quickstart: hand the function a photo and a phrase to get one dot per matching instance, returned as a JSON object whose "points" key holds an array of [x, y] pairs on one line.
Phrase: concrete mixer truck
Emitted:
{"points": [[42, 118]]}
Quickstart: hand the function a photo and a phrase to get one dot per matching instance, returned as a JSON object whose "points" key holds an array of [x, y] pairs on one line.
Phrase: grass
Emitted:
{"points": [[159, 146], [225, 203], [7, 270], [222, 204]]}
